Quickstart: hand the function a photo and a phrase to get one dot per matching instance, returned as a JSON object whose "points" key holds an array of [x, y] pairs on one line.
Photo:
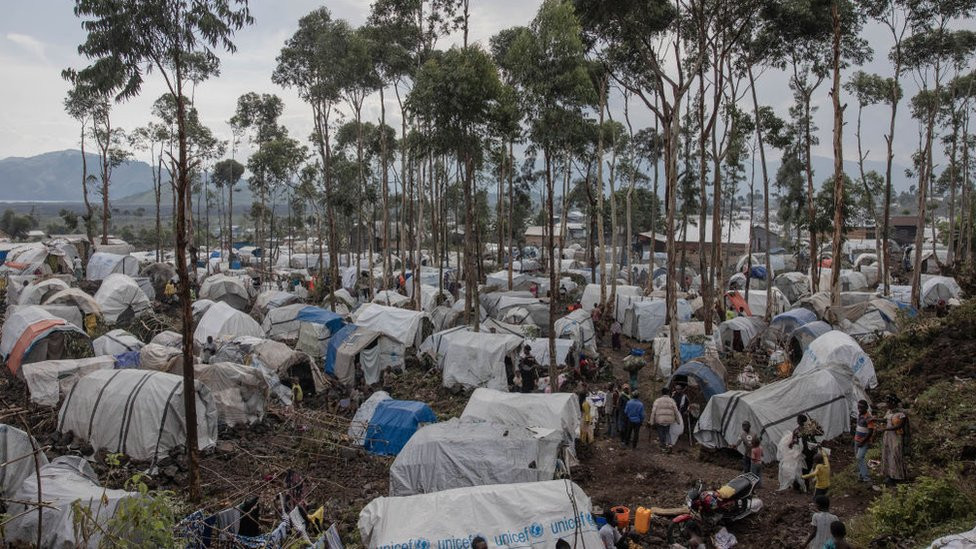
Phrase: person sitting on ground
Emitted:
{"points": [[821, 521], [820, 472], [209, 350], [527, 369], [610, 533], [745, 440], [169, 292], [664, 414], [838, 534], [756, 460]]}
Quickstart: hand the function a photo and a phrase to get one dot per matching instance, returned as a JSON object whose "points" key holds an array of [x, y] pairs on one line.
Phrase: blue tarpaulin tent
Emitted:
{"points": [[334, 343], [758, 272], [709, 382], [318, 315], [393, 423], [691, 351]]}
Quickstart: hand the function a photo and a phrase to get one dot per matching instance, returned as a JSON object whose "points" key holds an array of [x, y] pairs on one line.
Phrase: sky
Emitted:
{"points": [[39, 38]]}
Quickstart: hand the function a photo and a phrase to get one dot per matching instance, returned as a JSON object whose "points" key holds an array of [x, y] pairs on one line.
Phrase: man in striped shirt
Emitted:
{"points": [[862, 439]]}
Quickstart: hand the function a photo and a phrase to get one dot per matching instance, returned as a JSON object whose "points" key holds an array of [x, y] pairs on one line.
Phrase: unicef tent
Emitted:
{"points": [[16, 459], [393, 423], [783, 325], [226, 289], [578, 327], [708, 381], [32, 334], [460, 453], [103, 264], [838, 348], [472, 359], [38, 292], [221, 321], [559, 411], [534, 514], [116, 342], [741, 329], [801, 338], [121, 298]]}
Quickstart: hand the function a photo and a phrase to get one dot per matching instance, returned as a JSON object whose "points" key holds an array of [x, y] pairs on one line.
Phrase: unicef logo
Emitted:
{"points": [[423, 544], [536, 530], [590, 519]]}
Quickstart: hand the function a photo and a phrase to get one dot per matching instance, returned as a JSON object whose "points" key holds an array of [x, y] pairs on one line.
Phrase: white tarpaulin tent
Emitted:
{"points": [[460, 453], [227, 289], [116, 342], [47, 381], [794, 285], [221, 321], [500, 279], [591, 294], [65, 482], [77, 298], [429, 300], [472, 359], [102, 264], [747, 327], [16, 459], [239, 392], [850, 281], [282, 322], [272, 299], [136, 412], [867, 320], [939, 288], [199, 308], [837, 348], [559, 411], [120, 295], [643, 320], [772, 409], [403, 325], [360, 421], [391, 298], [533, 514], [578, 326], [38, 292]]}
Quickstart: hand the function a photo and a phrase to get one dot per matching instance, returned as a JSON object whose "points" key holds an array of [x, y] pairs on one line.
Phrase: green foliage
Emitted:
{"points": [[145, 520], [16, 226]]}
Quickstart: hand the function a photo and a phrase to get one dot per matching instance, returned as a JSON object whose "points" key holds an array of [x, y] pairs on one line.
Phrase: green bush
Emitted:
{"points": [[914, 511], [146, 520]]}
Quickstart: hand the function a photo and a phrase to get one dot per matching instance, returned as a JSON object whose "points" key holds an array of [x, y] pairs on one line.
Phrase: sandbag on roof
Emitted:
{"points": [[360, 421], [559, 411], [837, 348], [460, 452], [578, 326], [226, 289], [502, 513], [472, 359], [47, 381], [103, 264], [38, 292], [16, 459], [24, 335], [77, 298], [393, 423], [403, 325], [116, 342], [119, 296], [748, 328], [223, 322], [772, 409], [65, 482], [136, 412]]}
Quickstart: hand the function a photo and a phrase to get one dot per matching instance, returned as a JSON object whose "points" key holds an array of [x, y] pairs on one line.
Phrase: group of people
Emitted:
{"points": [[626, 414]]}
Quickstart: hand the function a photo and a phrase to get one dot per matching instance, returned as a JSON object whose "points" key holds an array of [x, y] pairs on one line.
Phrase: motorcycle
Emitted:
{"points": [[708, 509]]}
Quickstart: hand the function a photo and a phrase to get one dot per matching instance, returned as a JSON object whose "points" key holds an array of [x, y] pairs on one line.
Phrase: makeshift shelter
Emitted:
{"points": [[782, 325], [404, 326], [473, 359], [17, 459], [116, 342], [40, 291], [818, 303], [391, 298], [644, 320], [738, 333], [239, 392], [158, 274], [103, 264], [458, 308], [460, 453], [227, 289], [315, 326], [794, 285], [500, 279], [591, 295], [360, 421], [802, 336], [161, 358], [168, 338], [135, 412], [282, 323], [344, 302], [490, 300], [75, 297], [272, 299], [938, 288], [559, 411], [65, 483], [393, 423], [199, 308], [49, 380], [120, 299], [363, 349], [868, 320], [738, 281], [36, 258], [699, 374], [758, 303], [223, 322], [431, 298], [578, 327], [850, 281], [772, 409], [837, 348], [32, 334], [275, 361], [536, 514]]}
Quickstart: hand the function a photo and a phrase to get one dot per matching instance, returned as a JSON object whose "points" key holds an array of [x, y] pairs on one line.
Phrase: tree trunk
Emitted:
{"points": [[553, 371], [599, 194], [384, 148], [707, 288], [157, 191], [511, 208], [889, 159], [89, 213], [105, 146], [811, 210], [835, 265], [672, 123], [765, 174]]}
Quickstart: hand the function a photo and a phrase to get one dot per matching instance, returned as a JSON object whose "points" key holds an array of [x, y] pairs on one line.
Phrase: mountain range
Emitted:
{"points": [[56, 177]]}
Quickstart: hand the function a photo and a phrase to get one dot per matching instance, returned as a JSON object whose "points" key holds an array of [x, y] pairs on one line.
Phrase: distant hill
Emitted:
{"points": [[57, 176]]}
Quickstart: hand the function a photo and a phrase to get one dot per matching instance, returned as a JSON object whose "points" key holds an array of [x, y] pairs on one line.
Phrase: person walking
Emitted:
{"points": [[664, 413], [635, 417], [615, 330], [821, 473], [863, 433], [527, 369]]}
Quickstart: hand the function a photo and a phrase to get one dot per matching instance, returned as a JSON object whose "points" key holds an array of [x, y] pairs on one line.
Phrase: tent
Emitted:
{"points": [[34, 257], [782, 325], [559, 411], [17, 459], [794, 285], [66, 482], [740, 330], [116, 342], [282, 323], [535, 514], [68, 313], [402, 325], [239, 392], [591, 294], [227, 289], [708, 381], [578, 327], [136, 412], [316, 326], [391, 298], [370, 350], [939, 288], [76, 298], [838, 348], [32, 334], [772, 410], [393, 423], [460, 453], [500, 279], [473, 359], [158, 274], [360, 421], [429, 298], [222, 322], [41, 290], [274, 360], [102, 264], [757, 302], [121, 298], [644, 320], [850, 281], [332, 347], [272, 299], [490, 300], [49, 380], [800, 338], [168, 338], [868, 320]]}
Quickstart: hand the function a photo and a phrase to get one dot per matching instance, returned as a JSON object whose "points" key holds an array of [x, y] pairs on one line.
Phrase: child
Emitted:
{"points": [[756, 455], [745, 439], [838, 532], [821, 472], [821, 522]]}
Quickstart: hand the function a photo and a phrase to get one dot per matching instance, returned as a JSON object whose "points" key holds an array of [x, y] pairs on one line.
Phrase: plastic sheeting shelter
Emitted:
{"points": [[644, 320], [120, 297], [282, 323], [75, 298], [402, 325], [49, 380], [850, 281], [472, 359], [65, 482], [801, 338], [938, 288], [782, 325], [838, 348], [221, 321], [332, 348], [116, 342], [591, 295], [460, 453], [226, 289], [393, 423], [240, 392], [360, 421], [372, 351], [559, 411], [708, 381], [103, 264], [535, 514], [868, 320], [272, 299], [316, 326], [136, 412], [578, 326], [38, 292], [740, 330], [772, 409], [794, 285], [391, 298], [32, 334], [16, 459]]}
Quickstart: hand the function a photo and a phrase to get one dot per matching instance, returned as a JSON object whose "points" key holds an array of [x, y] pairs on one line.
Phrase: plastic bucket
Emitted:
{"points": [[623, 515]]}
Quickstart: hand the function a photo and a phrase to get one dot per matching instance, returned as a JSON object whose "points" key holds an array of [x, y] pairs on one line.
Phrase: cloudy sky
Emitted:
{"points": [[39, 38]]}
